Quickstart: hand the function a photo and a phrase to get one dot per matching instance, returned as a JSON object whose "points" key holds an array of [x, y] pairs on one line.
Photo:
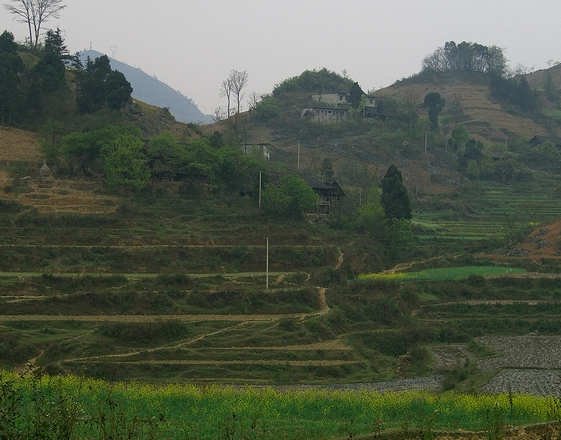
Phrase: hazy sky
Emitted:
{"points": [[192, 45]]}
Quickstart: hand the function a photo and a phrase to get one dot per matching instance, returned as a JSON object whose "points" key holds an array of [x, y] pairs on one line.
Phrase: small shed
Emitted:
{"points": [[330, 193], [536, 140]]}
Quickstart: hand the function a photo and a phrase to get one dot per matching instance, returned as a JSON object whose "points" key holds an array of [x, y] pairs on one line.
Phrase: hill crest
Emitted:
{"points": [[148, 89]]}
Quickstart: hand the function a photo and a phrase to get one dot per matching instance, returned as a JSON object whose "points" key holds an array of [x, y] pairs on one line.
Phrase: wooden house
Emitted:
{"points": [[329, 193]]}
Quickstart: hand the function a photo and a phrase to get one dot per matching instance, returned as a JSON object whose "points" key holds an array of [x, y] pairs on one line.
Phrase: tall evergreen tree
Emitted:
{"points": [[99, 85], [51, 71], [10, 65], [435, 103], [54, 42], [118, 90], [395, 199], [355, 95]]}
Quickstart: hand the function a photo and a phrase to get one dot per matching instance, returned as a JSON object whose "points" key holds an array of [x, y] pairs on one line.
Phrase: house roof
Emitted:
{"points": [[536, 140], [336, 109], [315, 182]]}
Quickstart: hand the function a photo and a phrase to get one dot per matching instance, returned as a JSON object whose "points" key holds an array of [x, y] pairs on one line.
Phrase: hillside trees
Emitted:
{"points": [[50, 72], [123, 165], [54, 42], [118, 152], [291, 197], [314, 81], [119, 90], [10, 65], [395, 200], [207, 160], [459, 138], [232, 88], [435, 103], [516, 91], [266, 109], [466, 57], [226, 92], [239, 81], [410, 104], [385, 217], [85, 151], [34, 13], [99, 85], [239, 171], [355, 95], [398, 238], [372, 218]]}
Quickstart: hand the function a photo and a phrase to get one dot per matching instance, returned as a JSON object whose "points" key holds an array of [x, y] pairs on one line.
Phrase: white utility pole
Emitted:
{"points": [[267, 267], [260, 189]]}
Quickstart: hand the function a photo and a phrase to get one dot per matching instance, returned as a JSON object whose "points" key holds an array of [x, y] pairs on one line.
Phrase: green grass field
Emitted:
{"points": [[441, 274]]}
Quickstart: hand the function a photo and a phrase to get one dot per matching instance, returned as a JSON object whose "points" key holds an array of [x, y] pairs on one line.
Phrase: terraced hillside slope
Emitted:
{"points": [[162, 286], [485, 119]]}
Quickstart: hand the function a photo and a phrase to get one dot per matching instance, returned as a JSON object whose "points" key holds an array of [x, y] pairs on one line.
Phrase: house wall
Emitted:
{"points": [[331, 98], [263, 148], [326, 114]]}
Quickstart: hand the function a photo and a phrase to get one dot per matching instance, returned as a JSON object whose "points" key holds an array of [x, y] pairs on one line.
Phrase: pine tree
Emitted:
{"points": [[395, 199]]}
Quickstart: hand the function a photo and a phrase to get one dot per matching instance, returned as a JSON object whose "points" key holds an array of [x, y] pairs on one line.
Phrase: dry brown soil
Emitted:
{"points": [[543, 243], [19, 145], [46, 195]]}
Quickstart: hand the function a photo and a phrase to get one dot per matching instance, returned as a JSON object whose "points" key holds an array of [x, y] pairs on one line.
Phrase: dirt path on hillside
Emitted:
{"points": [[335, 344], [404, 266], [159, 348], [339, 259], [242, 320]]}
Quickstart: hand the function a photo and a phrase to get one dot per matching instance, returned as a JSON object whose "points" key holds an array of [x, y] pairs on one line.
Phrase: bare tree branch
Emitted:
{"points": [[226, 91], [232, 88], [35, 13], [238, 81]]}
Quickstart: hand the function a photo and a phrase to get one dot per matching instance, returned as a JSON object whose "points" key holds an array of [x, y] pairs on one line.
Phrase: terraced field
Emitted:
{"points": [[501, 210], [160, 289], [154, 328]]}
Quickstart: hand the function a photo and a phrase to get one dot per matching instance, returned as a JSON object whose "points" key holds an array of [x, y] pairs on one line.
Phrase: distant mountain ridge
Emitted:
{"points": [[148, 89]]}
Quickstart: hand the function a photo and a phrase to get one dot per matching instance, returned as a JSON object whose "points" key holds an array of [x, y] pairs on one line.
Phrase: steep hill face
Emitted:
{"points": [[538, 78], [485, 119], [152, 91]]}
